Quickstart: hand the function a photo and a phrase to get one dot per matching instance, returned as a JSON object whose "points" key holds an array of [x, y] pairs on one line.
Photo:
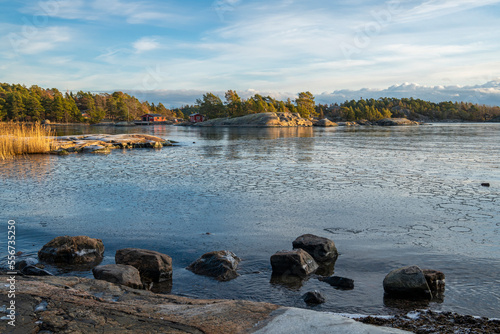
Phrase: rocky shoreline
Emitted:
{"points": [[104, 143]]}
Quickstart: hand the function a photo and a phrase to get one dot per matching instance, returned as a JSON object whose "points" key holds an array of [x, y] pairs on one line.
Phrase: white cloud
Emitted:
{"points": [[145, 44], [35, 40]]}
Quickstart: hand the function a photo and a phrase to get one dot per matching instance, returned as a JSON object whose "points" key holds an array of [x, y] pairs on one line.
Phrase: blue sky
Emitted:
{"points": [[174, 51]]}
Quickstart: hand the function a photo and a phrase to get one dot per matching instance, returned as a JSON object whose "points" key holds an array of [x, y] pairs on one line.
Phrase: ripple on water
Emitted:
{"points": [[421, 228], [461, 229]]}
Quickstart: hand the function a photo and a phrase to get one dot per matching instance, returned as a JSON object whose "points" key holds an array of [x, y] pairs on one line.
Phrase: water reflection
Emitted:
{"points": [[34, 166]]}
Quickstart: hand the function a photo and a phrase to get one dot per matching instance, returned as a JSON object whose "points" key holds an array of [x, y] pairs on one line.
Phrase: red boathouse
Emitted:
{"points": [[197, 118]]}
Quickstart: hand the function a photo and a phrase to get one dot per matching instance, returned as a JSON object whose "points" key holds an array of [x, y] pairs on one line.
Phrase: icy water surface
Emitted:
{"points": [[388, 197]]}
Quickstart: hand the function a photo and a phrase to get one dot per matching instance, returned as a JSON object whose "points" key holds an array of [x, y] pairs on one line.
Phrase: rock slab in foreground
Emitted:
{"points": [[294, 263], [321, 249], [221, 265], [119, 273], [153, 266], [407, 282], [72, 250]]}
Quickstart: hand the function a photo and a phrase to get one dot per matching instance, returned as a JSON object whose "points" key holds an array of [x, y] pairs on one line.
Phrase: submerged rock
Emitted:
{"points": [[221, 265], [339, 282], [313, 297], [35, 271], [118, 273], [321, 249], [72, 250], [153, 266], [294, 263], [405, 282]]}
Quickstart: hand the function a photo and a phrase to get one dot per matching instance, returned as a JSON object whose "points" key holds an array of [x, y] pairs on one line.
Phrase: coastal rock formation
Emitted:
{"points": [[29, 261], [118, 273], [153, 266], [321, 249], [103, 143], [396, 122], [325, 122], [268, 119], [405, 282], [221, 265], [339, 282], [35, 271], [72, 250], [293, 263]]}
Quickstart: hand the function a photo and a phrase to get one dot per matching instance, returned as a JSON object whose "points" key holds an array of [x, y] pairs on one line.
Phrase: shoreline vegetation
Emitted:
{"points": [[19, 103], [19, 139]]}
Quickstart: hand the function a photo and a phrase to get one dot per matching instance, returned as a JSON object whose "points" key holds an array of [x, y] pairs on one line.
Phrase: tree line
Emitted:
{"points": [[19, 103], [22, 104]]}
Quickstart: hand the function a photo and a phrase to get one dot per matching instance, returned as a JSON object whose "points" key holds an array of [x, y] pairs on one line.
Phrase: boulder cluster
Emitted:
{"points": [[311, 254]]}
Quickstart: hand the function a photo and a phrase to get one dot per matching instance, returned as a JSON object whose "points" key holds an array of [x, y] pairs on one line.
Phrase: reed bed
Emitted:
{"points": [[22, 138]]}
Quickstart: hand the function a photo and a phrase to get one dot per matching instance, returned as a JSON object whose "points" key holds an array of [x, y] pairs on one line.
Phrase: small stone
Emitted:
{"points": [[339, 282], [313, 297], [485, 184], [30, 261]]}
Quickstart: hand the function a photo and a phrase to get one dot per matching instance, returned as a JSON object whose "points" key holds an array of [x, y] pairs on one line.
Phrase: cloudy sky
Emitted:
{"points": [[174, 51]]}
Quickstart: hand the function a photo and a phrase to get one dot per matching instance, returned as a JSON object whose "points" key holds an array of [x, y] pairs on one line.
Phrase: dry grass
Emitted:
{"points": [[20, 138]]}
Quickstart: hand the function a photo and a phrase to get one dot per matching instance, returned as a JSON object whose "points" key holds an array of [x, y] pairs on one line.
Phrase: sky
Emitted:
{"points": [[175, 51]]}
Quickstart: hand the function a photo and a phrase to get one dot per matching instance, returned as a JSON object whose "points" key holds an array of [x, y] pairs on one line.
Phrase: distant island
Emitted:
{"points": [[34, 104]]}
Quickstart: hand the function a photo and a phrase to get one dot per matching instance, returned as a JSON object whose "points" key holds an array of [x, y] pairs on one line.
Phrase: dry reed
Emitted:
{"points": [[21, 138]]}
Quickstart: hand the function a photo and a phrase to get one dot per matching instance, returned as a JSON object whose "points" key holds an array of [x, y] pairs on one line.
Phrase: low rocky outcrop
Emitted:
{"points": [[119, 274], [313, 297], [339, 282], [72, 250], [325, 122], [153, 266], [293, 263], [221, 265], [321, 249], [406, 282], [103, 143], [396, 122], [268, 119]]}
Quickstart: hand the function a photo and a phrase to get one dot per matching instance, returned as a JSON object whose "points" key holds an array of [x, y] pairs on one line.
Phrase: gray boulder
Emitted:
{"points": [[221, 265], [72, 250], [407, 282], [153, 266], [321, 249], [294, 263], [118, 273]]}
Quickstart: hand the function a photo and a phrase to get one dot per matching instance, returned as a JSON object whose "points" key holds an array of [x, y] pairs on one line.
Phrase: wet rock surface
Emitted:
{"points": [[313, 297], [221, 265], [427, 322], [72, 250]]}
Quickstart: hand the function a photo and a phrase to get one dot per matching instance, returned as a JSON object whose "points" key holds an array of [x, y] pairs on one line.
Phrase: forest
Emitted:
{"points": [[22, 104]]}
